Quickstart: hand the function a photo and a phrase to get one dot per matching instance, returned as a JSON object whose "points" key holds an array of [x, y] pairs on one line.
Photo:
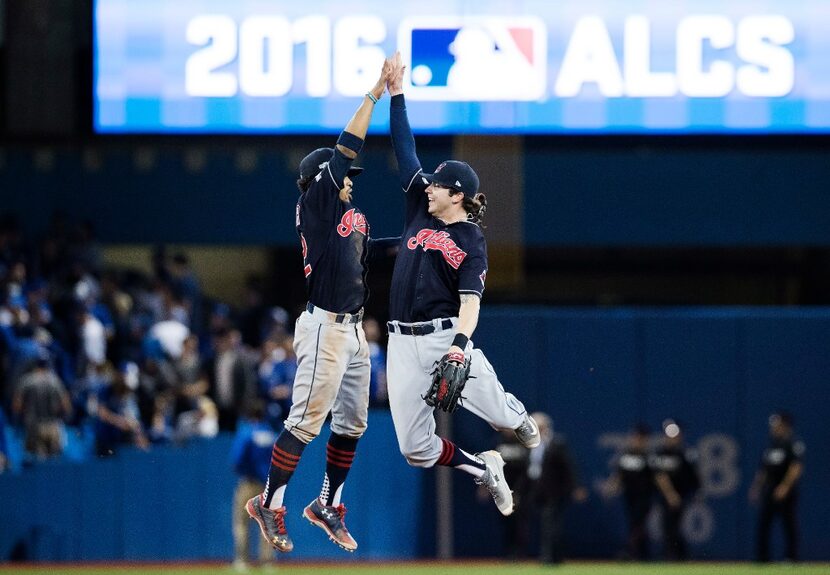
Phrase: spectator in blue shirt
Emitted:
{"points": [[277, 369], [251, 458], [118, 417]]}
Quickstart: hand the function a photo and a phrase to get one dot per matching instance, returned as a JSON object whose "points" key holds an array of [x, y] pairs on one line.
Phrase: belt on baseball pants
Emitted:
{"points": [[425, 328], [346, 318]]}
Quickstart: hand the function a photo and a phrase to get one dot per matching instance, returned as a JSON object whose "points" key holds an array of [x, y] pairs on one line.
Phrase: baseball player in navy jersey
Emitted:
{"points": [[332, 353], [436, 290]]}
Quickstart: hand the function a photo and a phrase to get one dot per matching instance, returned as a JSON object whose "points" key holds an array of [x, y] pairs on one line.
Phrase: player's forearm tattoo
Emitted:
{"points": [[467, 297]]}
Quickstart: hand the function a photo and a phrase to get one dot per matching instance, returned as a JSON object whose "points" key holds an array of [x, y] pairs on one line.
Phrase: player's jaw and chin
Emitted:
{"points": [[346, 190], [439, 201]]}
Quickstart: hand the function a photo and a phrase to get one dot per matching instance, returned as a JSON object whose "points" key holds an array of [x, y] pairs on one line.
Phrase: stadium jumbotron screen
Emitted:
{"points": [[591, 67]]}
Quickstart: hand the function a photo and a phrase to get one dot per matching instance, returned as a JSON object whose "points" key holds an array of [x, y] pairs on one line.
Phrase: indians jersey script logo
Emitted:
{"points": [[441, 241], [352, 221]]}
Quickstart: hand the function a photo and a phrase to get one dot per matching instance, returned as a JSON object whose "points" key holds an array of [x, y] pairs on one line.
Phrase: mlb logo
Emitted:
{"points": [[474, 59]]}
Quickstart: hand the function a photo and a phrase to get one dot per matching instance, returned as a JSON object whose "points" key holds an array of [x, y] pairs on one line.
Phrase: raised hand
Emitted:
{"points": [[380, 85], [395, 81]]}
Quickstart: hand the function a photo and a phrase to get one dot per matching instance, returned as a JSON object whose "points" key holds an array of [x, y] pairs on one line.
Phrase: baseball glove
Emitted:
{"points": [[448, 379]]}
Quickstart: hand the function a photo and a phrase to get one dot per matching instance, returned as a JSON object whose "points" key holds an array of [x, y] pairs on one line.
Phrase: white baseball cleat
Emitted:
{"points": [[493, 479], [528, 433]]}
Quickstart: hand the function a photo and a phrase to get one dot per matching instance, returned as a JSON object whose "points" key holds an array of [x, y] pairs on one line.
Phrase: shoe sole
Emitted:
{"points": [[500, 462], [537, 437], [253, 515], [535, 443], [317, 523]]}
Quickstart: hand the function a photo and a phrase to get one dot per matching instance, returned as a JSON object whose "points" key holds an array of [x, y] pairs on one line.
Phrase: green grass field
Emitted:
{"points": [[436, 568]]}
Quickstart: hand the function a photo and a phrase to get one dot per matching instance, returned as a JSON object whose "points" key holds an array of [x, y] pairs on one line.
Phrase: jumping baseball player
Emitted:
{"points": [[332, 353], [437, 286]]}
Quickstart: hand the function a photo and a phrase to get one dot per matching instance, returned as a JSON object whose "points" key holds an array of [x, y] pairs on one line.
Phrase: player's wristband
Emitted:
{"points": [[460, 340], [456, 357], [372, 97], [350, 141]]}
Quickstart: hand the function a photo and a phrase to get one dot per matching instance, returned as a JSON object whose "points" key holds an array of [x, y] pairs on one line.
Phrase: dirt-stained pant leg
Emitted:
{"points": [[324, 351], [349, 416], [408, 379]]}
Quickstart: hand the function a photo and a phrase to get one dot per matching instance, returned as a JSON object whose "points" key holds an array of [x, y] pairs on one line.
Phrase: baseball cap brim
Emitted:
{"points": [[354, 171], [443, 181]]}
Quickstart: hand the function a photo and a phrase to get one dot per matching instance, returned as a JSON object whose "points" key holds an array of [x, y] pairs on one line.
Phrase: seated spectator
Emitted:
{"points": [[119, 422], [41, 403]]}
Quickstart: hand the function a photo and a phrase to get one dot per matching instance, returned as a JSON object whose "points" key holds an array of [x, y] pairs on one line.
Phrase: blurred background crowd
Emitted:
{"points": [[94, 357]]}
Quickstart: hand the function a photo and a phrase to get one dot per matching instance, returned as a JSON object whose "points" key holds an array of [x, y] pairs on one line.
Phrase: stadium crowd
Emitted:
{"points": [[95, 358]]}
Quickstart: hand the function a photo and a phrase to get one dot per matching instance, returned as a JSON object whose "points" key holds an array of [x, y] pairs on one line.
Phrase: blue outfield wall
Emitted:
{"points": [[721, 371], [175, 503]]}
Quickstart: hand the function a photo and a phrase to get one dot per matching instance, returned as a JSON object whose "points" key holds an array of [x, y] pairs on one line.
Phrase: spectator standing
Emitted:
{"points": [[41, 403], [776, 485], [251, 458], [230, 378]]}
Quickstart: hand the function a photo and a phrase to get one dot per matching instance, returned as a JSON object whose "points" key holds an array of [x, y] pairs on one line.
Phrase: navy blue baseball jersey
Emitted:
{"points": [[777, 458], [334, 236], [436, 261]]}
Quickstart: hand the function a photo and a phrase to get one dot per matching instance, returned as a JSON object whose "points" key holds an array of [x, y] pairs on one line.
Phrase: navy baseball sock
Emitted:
{"points": [[284, 459], [452, 456], [339, 456]]}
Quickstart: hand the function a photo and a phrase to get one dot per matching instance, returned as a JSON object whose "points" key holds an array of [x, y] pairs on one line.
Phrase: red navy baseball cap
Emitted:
{"points": [[456, 175], [314, 162]]}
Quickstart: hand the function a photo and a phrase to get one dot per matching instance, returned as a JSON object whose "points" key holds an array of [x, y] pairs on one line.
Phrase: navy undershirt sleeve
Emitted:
{"points": [[403, 142]]}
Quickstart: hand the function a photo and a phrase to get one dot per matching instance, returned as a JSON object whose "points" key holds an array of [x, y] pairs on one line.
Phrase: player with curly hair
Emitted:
{"points": [[437, 285]]}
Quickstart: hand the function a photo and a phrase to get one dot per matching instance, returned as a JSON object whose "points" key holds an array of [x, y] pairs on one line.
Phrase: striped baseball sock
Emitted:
{"points": [[284, 459], [339, 456], [452, 456]]}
